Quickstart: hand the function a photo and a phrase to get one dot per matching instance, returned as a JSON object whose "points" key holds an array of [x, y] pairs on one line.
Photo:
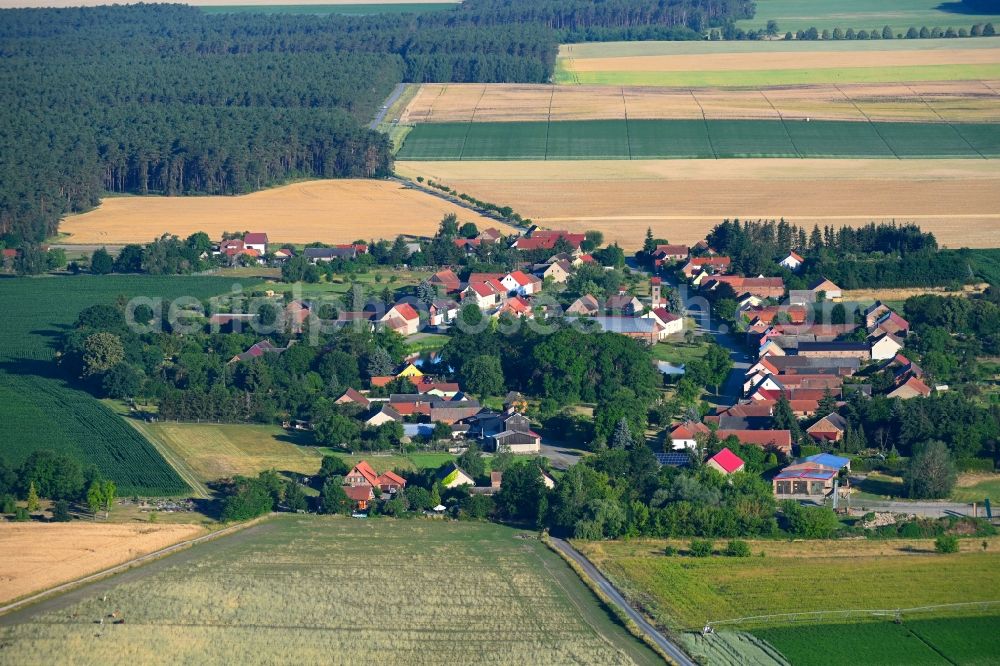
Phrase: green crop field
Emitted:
{"points": [[39, 410], [310, 590], [953, 640], [685, 592], [358, 9], [897, 14], [649, 139], [779, 77]]}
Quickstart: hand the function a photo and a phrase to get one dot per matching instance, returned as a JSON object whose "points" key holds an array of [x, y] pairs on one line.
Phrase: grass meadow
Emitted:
{"points": [[664, 139], [312, 589], [899, 15], [39, 410], [683, 592], [779, 77]]}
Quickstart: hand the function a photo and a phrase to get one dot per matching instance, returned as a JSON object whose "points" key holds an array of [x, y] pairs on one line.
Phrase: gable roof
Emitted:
{"points": [[727, 460], [358, 493], [522, 278], [391, 477], [256, 238], [406, 311], [353, 395], [823, 284], [365, 470], [833, 419]]}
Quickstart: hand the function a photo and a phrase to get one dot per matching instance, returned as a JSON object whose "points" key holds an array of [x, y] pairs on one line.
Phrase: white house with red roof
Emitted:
{"points": [[670, 322], [402, 318], [521, 283], [484, 294], [725, 462], [792, 262], [256, 240], [684, 435]]}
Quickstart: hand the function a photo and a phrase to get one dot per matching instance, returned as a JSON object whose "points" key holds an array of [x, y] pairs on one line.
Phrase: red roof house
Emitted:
{"points": [[726, 462]]}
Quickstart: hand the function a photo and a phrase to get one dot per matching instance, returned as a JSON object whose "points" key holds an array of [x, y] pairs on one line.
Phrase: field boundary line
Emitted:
{"points": [[944, 120], [548, 123], [784, 126], [930, 645], [874, 612], [134, 562], [173, 459], [472, 119], [868, 118], [628, 137], [704, 119]]}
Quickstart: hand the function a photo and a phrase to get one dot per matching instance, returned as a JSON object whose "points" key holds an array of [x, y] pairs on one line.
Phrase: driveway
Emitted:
{"points": [[561, 457]]}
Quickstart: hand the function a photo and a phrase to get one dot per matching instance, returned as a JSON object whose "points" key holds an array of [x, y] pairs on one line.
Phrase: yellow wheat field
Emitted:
{"points": [[37, 556], [330, 211], [969, 101], [682, 199]]}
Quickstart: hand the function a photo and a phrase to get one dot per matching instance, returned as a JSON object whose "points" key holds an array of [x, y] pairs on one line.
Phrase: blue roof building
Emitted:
{"points": [[829, 461]]}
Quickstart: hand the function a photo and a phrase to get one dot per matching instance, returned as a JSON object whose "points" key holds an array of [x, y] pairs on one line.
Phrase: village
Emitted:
{"points": [[806, 358]]}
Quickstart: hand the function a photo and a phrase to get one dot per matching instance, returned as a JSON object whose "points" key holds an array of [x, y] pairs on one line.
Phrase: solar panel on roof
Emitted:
{"points": [[673, 459]]}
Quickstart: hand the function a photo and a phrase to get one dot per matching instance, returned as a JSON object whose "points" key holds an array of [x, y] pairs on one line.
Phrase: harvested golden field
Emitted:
{"points": [[37, 556], [970, 101], [903, 294], [683, 199], [330, 211], [784, 60]]}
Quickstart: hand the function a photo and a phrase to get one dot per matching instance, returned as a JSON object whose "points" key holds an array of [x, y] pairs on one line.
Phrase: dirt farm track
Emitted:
{"points": [[682, 199]]}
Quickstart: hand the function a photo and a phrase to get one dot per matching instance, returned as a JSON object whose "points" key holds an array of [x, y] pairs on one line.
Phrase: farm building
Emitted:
{"points": [[830, 428], [725, 462], [453, 476], [813, 481]]}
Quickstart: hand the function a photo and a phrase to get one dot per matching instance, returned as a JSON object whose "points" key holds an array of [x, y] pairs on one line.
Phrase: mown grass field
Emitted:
{"points": [[897, 14], [975, 488], [953, 640], [653, 139], [684, 592], [335, 590], [39, 410]]}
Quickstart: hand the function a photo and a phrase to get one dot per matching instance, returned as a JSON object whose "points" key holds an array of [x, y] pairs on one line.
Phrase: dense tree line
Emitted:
{"points": [[873, 255], [168, 99]]}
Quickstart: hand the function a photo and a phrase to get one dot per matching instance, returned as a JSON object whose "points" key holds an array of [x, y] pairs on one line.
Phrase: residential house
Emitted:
{"points": [[685, 435], [764, 287], [362, 475], [623, 303], [668, 321], [801, 297], [445, 281], [725, 462], [884, 346], [841, 349], [585, 306], [665, 254], [830, 428], [830, 291], [521, 283], [911, 388], [387, 414], [402, 318], [509, 430], [440, 389], [283, 254], [545, 240], [516, 306], [645, 330], [547, 480], [557, 271], [792, 262], [874, 312], [711, 265], [360, 495], [256, 241], [318, 254], [257, 350], [766, 439], [491, 235], [453, 476], [892, 323], [442, 311], [353, 396]]}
